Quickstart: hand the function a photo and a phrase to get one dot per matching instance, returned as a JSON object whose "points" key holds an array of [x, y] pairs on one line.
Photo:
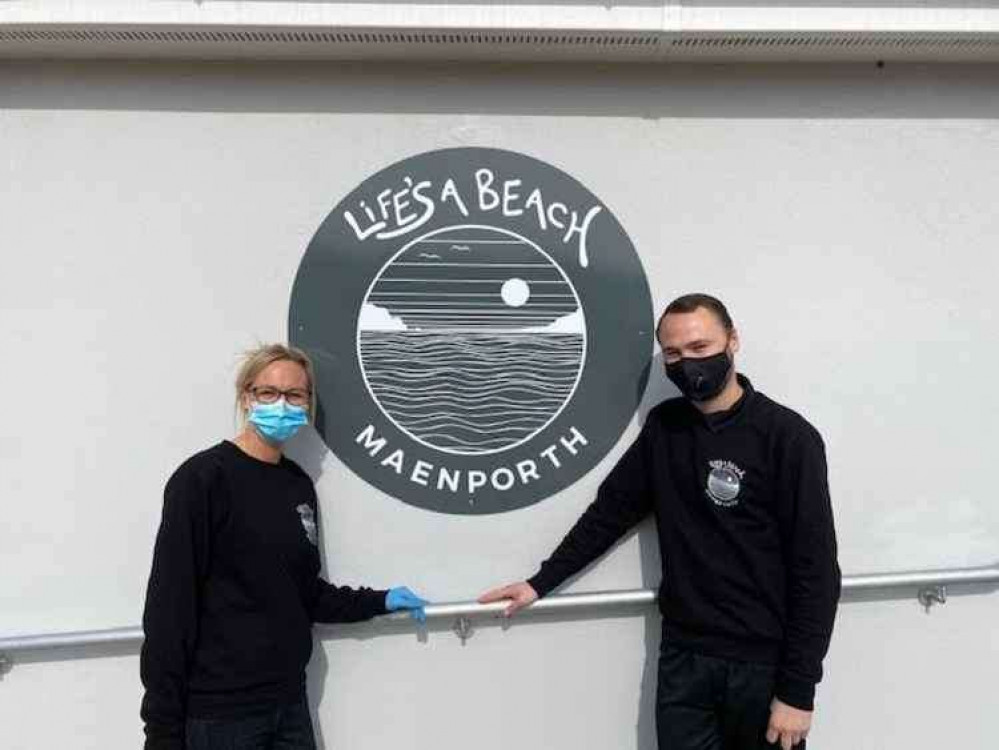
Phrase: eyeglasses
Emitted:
{"points": [[267, 394]]}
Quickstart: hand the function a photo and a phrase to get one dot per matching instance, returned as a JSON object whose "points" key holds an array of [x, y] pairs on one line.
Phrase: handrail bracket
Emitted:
{"points": [[463, 628], [930, 595]]}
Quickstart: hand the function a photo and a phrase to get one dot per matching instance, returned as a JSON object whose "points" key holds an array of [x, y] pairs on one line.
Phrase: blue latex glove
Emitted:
{"points": [[402, 598]]}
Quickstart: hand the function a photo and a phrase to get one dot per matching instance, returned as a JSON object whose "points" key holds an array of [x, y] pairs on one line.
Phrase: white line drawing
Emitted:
{"points": [[465, 242], [470, 265], [490, 295], [404, 280], [485, 365]]}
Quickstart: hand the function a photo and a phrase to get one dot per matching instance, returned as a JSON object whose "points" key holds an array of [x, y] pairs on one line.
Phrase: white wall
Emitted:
{"points": [[153, 219]]}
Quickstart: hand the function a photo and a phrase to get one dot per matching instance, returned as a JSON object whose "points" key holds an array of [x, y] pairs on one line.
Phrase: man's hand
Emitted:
{"points": [[788, 724], [520, 595]]}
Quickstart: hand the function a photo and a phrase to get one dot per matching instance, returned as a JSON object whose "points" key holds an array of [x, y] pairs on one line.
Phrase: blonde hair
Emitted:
{"points": [[257, 360]]}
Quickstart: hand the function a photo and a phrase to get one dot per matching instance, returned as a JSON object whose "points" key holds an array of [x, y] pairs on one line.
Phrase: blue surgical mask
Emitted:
{"points": [[277, 422]]}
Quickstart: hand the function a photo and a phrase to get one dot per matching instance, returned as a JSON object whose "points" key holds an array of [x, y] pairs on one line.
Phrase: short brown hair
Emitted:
{"points": [[688, 303]]}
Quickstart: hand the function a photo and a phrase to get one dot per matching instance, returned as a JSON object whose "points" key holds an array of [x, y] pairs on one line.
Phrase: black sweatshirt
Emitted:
{"points": [[746, 535], [234, 591]]}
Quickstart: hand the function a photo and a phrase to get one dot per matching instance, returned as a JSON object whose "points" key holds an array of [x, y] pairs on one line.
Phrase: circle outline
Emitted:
{"points": [[387, 415]]}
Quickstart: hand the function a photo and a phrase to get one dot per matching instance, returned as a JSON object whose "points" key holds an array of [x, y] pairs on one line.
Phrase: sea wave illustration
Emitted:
{"points": [[470, 392]]}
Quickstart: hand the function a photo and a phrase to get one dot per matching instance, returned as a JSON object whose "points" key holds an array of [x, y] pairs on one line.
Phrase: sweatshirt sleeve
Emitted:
{"points": [[623, 499], [813, 576], [170, 619], [345, 604], [330, 603]]}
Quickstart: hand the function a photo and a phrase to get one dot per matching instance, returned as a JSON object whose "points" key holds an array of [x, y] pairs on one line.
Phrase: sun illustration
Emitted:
{"points": [[515, 292], [471, 339]]}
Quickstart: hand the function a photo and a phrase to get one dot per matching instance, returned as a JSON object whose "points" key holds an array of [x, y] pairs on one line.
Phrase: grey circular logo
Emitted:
{"points": [[481, 327], [724, 483]]}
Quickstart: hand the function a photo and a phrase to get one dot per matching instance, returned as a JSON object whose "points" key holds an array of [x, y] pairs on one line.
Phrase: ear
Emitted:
{"points": [[734, 340]]}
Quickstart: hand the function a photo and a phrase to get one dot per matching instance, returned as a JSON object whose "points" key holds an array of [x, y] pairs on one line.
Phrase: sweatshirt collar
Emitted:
{"points": [[719, 420], [242, 455]]}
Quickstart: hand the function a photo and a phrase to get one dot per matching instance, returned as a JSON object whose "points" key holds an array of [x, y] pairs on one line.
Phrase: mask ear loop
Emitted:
{"points": [[244, 407]]}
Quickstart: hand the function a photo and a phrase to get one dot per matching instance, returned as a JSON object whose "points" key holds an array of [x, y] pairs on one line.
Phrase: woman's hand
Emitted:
{"points": [[401, 597]]}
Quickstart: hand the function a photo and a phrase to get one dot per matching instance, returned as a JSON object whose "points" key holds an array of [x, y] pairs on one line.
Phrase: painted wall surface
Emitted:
{"points": [[154, 217]]}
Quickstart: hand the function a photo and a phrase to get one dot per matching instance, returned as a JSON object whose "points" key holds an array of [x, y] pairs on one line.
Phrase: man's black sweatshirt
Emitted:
{"points": [[746, 535], [234, 591]]}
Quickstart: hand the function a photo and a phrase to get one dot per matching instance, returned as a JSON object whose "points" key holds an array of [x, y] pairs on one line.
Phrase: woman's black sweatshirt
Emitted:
{"points": [[746, 535], [234, 591]]}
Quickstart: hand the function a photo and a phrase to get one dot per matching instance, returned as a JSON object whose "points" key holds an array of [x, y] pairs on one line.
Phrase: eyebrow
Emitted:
{"points": [[698, 342]]}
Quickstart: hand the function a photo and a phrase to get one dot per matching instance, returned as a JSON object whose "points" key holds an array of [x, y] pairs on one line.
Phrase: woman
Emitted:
{"points": [[235, 583]]}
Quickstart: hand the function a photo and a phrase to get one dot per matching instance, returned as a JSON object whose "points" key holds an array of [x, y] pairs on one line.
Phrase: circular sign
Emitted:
{"points": [[481, 329]]}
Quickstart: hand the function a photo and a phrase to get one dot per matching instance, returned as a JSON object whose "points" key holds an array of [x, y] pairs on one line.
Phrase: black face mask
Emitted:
{"points": [[700, 379]]}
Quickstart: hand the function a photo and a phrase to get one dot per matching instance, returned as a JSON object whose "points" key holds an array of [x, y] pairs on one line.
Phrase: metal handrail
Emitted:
{"points": [[930, 586]]}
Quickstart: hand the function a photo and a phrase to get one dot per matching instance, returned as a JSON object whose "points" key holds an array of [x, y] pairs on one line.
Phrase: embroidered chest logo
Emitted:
{"points": [[724, 483], [308, 523]]}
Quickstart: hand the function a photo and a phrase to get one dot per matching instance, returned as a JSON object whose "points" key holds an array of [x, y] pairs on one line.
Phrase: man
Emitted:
{"points": [[738, 487]]}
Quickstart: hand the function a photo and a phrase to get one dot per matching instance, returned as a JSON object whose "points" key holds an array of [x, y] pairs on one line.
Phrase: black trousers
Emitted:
{"points": [[281, 728], [707, 703]]}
